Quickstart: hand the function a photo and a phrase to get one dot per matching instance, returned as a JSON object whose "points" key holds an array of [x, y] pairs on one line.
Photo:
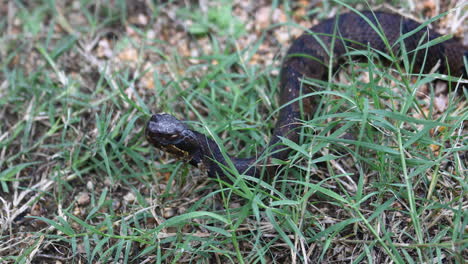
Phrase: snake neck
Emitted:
{"points": [[210, 156]]}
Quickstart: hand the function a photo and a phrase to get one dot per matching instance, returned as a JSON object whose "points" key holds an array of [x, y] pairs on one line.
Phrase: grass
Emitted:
{"points": [[379, 175]]}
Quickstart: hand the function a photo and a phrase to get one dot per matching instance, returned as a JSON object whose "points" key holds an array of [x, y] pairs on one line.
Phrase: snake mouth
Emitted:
{"points": [[162, 139], [173, 149]]}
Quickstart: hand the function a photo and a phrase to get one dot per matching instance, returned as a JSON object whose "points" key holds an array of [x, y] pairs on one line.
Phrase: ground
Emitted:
{"points": [[375, 180]]}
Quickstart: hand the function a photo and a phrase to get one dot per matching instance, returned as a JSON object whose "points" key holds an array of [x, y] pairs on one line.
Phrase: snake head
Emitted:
{"points": [[168, 133]]}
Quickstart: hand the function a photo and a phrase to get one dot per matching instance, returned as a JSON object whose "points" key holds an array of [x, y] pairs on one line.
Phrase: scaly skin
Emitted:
{"points": [[307, 58]]}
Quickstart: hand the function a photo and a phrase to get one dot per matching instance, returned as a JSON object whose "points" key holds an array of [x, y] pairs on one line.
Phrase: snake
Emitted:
{"points": [[311, 56]]}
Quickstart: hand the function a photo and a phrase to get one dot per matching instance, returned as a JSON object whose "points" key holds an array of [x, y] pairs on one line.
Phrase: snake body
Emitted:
{"points": [[309, 56]]}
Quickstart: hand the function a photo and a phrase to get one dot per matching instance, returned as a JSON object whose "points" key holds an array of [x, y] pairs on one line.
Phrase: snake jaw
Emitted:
{"points": [[168, 133]]}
